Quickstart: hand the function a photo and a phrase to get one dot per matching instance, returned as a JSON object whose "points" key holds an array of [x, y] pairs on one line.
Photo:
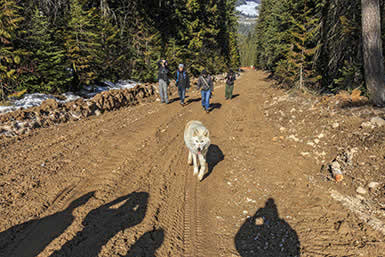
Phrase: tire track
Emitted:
{"points": [[108, 175], [172, 207], [190, 218], [174, 212]]}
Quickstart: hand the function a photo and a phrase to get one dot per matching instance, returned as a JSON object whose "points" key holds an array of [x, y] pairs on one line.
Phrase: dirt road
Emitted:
{"points": [[119, 185]]}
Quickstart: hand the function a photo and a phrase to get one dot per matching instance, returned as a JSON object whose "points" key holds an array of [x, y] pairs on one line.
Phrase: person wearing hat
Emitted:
{"points": [[205, 84], [230, 78], [163, 81], [182, 83]]}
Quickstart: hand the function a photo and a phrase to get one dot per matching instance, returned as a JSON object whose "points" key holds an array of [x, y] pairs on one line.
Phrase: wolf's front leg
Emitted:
{"points": [[194, 156], [190, 161], [202, 162]]}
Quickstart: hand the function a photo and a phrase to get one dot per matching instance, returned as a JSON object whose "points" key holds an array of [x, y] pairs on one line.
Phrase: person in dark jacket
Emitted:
{"points": [[163, 81], [182, 83], [205, 84], [230, 78]]}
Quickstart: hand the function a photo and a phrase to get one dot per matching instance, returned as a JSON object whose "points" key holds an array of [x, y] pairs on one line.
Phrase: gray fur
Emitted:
{"points": [[196, 138]]}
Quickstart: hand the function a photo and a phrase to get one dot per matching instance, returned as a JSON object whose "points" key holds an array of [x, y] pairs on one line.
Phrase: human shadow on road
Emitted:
{"points": [[174, 99], [192, 100], [177, 98], [214, 106], [147, 244], [187, 99], [213, 157], [267, 235], [103, 223], [170, 101], [30, 238], [235, 96]]}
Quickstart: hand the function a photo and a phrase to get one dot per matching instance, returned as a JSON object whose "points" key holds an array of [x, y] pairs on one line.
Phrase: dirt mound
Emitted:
{"points": [[22, 122], [346, 135], [51, 112]]}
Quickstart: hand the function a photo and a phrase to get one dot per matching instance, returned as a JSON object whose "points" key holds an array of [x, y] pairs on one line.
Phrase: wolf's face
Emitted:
{"points": [[200, 140]]}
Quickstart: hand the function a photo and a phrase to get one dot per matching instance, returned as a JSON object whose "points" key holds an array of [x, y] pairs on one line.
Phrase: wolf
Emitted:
{"points": [[196, 138]]}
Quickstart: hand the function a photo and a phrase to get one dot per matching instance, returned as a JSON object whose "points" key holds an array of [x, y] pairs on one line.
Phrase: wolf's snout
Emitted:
{"points": [[199, 149]]}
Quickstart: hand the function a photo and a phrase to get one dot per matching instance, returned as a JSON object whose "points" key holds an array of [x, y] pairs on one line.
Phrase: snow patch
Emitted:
{"points": [[36, 99], [249, 9]]}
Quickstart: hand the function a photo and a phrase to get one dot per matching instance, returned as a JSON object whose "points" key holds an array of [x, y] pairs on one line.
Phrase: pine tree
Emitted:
{"points": [[227, 36], [49, 70], [297, 66], [125, 52], [234, 52], [210, 53], [232, 22], [272, 33], [340, 58], [146, 42], [109, 46], [195, 32], [174, 53], [247, 49], [10, 57], [83, 43]]}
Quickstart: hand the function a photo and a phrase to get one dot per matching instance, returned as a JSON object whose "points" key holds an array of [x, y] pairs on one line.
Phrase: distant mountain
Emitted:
{"points": [[241, 2], [247, 15], [248, 8]]}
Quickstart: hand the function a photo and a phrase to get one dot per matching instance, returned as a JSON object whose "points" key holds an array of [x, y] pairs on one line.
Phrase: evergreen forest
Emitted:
{"points": [[54, 46], [316, 44]]}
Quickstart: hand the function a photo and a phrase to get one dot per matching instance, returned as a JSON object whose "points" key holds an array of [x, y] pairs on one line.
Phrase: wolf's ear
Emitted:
{"points": [[195, 133], [207, 133]]}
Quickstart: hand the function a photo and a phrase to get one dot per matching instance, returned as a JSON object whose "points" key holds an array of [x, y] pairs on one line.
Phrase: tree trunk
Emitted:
{"points": [[372, 50]]}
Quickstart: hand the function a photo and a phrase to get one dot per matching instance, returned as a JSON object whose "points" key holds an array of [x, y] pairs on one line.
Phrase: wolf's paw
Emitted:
{"points": [[195, 171], [200, 176], [190, 162]]}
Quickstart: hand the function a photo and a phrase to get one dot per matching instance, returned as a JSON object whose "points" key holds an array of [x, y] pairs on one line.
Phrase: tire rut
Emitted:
{"points": [[190, 218]]}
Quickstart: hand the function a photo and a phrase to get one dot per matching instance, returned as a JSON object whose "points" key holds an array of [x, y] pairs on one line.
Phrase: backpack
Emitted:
{"points": [[206, 85], [230, 79]]}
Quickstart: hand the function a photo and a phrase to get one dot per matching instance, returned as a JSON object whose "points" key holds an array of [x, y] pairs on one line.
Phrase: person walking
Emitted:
{"points": [[230, 78], [182, 83], [163, 81], [205, 84]]}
